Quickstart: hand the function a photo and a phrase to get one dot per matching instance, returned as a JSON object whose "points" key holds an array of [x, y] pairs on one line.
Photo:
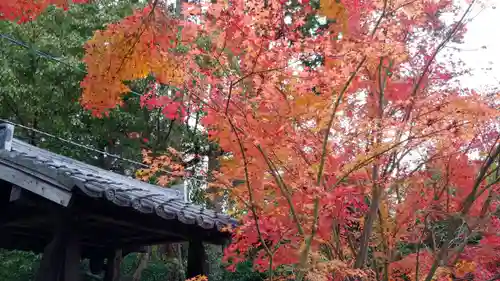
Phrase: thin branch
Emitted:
{"points": [[332, 118], [431, 60], [467, 204], [480, 177], [418, 248], [282, 187], [250, 192], [377, 189], [369, 159], [305, 253]]}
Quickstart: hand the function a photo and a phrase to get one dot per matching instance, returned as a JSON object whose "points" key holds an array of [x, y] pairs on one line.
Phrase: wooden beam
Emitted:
{"points": [[147, 240], [15, 193], [29, 221], [150, 222], [197, 264], [35, 185], [134, 226]]}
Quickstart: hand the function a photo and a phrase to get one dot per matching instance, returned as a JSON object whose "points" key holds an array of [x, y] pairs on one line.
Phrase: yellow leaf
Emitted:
{"points": [[332, 9], [315, 167], [301, 101]]}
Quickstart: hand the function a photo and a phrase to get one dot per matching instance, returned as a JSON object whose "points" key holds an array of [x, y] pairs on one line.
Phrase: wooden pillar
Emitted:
{"points": [[6, 135], [72, 259], [61, 257], [51, 264], [113, 264], [197, 264]]}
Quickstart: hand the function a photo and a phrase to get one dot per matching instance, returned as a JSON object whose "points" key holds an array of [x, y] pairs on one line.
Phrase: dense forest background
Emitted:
{"points": [[22, 266]]}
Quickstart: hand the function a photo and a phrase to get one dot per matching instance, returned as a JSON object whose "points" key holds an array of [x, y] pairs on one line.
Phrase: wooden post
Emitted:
{"points": [[6, 134], [51, 264], [113, 263], [72, 257], [196, 259], [61, 257]]}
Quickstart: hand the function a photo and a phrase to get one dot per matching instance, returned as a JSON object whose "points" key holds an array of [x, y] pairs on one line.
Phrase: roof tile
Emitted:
{"points": [[123, 191]]}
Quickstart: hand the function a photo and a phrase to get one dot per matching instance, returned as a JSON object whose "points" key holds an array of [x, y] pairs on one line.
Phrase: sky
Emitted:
{"points": [[481, 47]]}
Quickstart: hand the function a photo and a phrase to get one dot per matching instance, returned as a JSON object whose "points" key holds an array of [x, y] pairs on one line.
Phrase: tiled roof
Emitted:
{"points": [[121, 190]]}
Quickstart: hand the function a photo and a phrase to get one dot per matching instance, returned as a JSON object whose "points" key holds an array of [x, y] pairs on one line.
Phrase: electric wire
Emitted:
{"points": [[46, 55], [49, 56], [107, 154]]}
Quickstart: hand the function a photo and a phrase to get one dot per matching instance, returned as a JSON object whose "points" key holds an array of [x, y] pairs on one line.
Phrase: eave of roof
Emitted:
{"points": [[121, 190]]}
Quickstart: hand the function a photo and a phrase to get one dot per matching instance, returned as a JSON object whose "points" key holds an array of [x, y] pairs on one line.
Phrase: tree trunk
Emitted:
{"points": [[143, 263], [113, 264], [213, 164], [173, 251]]}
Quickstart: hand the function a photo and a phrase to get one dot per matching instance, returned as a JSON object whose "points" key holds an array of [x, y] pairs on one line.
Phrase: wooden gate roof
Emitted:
{"points": [[58, 178]]}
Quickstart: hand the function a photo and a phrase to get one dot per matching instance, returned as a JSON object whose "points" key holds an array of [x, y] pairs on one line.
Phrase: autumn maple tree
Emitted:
{"points": [[357, 154], [22, 11]]}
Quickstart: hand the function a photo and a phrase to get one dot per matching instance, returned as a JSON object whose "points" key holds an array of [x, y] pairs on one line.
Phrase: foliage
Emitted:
{"points": [[292, 145], [17, 265], [340, 159], [41, 71], [157, 269], [24, 11], [164, 169], [244, 270], [42, 93], [198, 278], [22, 266], [139, 56]]}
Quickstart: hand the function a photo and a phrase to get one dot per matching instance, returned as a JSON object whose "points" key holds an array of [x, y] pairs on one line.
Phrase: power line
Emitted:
{"points": [[49, 56], [38, 52], [46, 55], [93, 149]]}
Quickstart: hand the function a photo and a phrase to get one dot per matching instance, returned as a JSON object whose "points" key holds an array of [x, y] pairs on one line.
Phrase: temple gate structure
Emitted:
{"points": [[69, 211]]}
